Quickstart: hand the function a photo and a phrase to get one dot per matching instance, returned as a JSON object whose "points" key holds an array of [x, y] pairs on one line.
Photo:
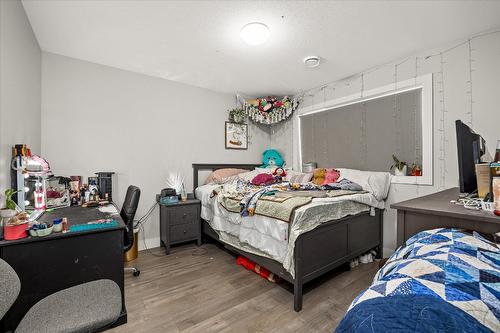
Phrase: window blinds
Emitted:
{"points": [[366, 134]]}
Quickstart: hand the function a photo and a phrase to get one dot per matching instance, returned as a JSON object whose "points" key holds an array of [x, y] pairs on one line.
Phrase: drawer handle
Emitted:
{"points": [[185, 231], [184, 215]]}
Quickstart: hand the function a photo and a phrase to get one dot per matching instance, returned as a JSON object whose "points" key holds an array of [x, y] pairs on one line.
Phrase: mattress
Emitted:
{"points": [[270, 237], [267, 235]]}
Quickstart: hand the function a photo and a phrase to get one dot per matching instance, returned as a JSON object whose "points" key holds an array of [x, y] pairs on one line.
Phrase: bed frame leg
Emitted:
{"points": [[297, 282], [297, 296]]}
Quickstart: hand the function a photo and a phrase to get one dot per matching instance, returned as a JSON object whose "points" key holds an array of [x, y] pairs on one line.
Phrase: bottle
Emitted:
{"points": [[495, 168], [183, 194], [65, 226], [496, 196], [497, 153], [495, 180]]}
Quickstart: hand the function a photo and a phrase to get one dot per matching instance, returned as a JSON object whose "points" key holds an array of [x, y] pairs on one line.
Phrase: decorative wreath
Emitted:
{"points": [[270, 110]]}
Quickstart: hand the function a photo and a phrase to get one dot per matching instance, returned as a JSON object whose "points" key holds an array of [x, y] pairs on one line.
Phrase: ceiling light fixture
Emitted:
{"points": [[254, 33], [312, 61]]}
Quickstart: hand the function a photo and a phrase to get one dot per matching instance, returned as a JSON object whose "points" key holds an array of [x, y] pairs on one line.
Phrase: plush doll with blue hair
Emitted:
{"points": [[272, 158]]}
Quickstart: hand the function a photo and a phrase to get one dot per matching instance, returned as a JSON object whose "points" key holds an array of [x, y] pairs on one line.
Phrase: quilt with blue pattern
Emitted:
{"points": [[442, 280]]}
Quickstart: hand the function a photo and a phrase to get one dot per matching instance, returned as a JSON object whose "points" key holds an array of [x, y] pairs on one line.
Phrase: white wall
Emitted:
{"points": [[20, 59], [455, 92], [98, 118]]}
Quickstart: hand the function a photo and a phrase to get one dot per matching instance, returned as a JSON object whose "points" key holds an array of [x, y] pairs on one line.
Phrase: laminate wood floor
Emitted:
{"points": [[201, 289]]}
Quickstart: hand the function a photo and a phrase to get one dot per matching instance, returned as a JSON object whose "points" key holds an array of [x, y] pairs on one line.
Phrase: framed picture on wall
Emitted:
{"points": [[236, 136]]}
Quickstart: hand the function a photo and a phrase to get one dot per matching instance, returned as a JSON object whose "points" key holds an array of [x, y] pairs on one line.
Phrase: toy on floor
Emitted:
{"points": [[272, 158], [251, 266]]}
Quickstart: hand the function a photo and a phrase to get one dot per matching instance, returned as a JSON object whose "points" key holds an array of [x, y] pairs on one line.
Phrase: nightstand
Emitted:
{"points": [[180, 223]]}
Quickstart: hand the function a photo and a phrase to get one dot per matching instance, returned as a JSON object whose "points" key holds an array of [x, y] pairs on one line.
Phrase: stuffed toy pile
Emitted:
{"points": [[322, 176]]}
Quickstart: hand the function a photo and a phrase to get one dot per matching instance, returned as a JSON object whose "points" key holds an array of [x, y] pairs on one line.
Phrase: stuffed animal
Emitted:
{"points": [[319, 176], [332, 175], [279, 173], [263, 179], [264, 105], [272, 158]]}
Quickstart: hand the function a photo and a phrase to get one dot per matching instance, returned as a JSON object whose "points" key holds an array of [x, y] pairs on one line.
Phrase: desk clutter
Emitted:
{"points": [[37, 190]]}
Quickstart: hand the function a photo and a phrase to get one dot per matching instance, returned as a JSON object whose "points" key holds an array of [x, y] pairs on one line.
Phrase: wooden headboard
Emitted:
{"points": [[212, 167]]}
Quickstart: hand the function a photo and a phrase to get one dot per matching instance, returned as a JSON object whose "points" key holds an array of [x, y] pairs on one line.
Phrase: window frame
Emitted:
{"points": [[423, 82]]}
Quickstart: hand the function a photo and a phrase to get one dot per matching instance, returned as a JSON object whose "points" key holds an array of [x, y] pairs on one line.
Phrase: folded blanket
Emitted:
{"points": [[248, 199], [280, 208]]}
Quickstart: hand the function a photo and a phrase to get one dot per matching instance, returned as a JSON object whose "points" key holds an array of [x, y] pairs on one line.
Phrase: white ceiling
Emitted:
{"points": [[197, 42]]}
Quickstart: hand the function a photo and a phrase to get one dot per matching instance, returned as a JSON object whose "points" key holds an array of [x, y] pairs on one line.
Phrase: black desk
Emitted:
{"points": [[435, 211], [61, 260]]}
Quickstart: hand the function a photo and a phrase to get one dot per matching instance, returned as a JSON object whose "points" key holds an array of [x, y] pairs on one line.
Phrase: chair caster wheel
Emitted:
{"points": [[137, 273]]}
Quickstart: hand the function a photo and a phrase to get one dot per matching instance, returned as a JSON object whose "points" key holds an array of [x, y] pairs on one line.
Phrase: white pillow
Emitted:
{"points": [[377, 183]]}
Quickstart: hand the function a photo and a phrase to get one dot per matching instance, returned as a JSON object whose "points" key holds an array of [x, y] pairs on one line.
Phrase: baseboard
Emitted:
{"points": [[387, 252], [149, 243]]}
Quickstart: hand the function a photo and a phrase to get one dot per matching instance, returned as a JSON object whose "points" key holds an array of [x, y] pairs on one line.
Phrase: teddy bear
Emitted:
{"points": [[272, 158], [319, 176], [331, 176]]}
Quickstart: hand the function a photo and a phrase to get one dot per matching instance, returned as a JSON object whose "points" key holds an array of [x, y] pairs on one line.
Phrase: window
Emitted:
{"points": [[364, 133]]}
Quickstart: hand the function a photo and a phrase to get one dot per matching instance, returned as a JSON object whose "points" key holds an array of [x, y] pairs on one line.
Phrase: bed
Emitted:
{"points": [[441, 280], [315, 252]]}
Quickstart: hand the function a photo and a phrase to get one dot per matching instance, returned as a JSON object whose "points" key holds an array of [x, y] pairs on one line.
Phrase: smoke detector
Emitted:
{"points": [[312, 61]]}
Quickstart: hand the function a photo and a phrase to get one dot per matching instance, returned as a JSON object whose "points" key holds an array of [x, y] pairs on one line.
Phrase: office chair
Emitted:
{"points": [[87, 307], [128, 213]]}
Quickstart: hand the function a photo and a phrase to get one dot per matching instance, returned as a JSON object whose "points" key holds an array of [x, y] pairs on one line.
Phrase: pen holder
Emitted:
{"points": [[13, 232]]}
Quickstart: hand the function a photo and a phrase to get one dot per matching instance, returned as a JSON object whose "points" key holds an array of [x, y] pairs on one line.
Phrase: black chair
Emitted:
{"points": [[128, 213]]}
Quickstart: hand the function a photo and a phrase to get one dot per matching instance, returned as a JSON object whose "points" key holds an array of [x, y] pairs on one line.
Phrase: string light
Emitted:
{"points": [[440, 84], [391, 63], [442, 127], [469, 82]]}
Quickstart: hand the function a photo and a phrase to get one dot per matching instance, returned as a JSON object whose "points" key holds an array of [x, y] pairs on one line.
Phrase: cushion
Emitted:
{"points": [[82, 308], [9, 287], [222, 175], [298, 177]]}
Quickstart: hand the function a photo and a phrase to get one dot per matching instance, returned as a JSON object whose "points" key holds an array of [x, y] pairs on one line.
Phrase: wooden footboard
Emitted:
{"points": [[333, 244]]}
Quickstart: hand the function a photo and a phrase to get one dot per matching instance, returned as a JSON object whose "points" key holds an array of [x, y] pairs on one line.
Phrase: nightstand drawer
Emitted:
{"points": [[184, 215], [180, 223], [183, 232]]}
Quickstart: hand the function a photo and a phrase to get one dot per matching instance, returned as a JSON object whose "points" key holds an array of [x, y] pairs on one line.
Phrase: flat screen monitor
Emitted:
{"points": [[470, 147]]}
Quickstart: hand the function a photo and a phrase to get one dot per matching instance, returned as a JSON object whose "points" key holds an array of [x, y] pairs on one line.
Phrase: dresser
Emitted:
{"points": [[436, 211], [180, 223]]}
